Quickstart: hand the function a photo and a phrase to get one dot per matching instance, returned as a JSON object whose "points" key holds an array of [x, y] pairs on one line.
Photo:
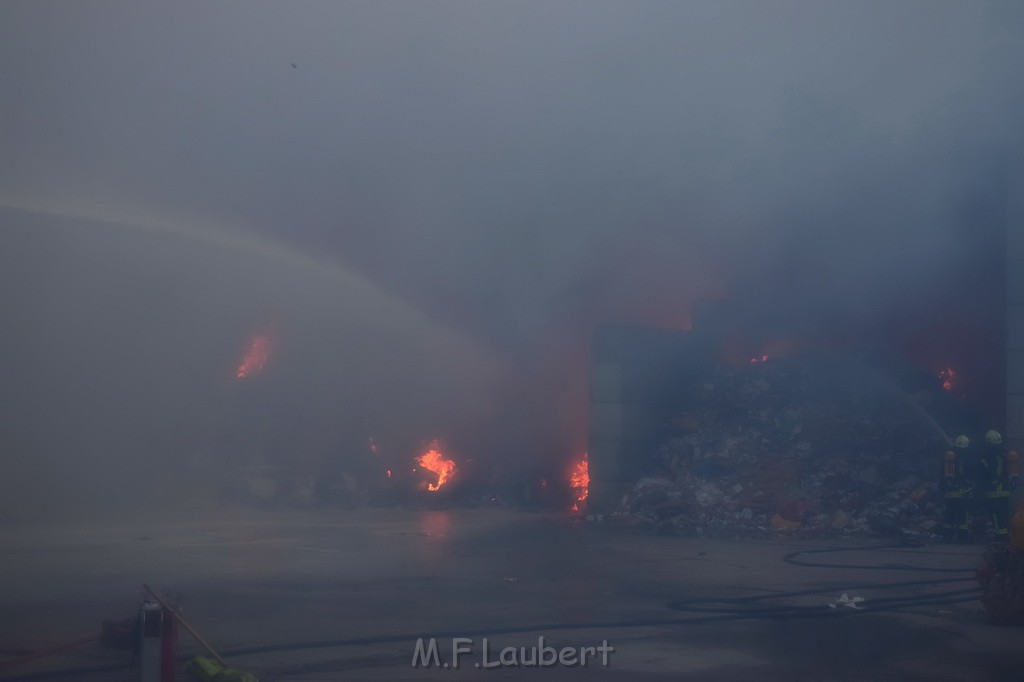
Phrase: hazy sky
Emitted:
{"points": [[520, 171], [517, 162]]}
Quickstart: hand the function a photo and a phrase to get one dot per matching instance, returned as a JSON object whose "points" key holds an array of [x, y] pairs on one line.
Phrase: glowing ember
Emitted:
{"points": [[256, 356], [760, 358], [388, 473], [433, 460], [948, 377], [579, 481]]}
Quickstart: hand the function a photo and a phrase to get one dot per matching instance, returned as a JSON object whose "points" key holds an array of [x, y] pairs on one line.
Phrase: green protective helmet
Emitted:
{"points": [[992, 437], [962, 442]]}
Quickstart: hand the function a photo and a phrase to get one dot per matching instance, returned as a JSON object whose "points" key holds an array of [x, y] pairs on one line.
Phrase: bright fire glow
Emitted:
{"points": [[256, 356], [948, 377], [760, 358], [433, 460], [579, 481]]}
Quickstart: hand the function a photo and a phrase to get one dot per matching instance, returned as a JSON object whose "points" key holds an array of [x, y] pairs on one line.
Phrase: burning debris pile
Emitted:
{"points": [[256, 355], [808, 446], [436, 463], [579, 481]]}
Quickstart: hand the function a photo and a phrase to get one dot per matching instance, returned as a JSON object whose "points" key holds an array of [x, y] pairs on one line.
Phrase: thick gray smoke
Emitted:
{"points": [[486, 181]]}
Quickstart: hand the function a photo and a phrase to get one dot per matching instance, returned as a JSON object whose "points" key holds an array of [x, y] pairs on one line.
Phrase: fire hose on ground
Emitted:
{"points": [[741, 607], [707, 610]]}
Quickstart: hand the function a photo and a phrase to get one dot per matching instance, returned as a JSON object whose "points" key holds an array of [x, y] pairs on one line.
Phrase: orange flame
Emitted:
{"points": [[256, 356], [579, 481], [948, 377], [434, 461]]}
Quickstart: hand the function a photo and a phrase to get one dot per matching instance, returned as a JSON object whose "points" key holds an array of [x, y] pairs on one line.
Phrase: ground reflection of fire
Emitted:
{"points": [[948, 377], [256, 356], [579, 481], [433, 460]]}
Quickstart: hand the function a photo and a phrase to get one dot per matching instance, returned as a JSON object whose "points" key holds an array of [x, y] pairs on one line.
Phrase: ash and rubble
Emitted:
{"points": [[809, 446], [265, 486], [812, 447]]}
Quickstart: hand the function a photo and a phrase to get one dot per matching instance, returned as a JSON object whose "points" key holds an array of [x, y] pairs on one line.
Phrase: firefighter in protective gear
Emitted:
{"points": [[957, 470], [997, 478]]}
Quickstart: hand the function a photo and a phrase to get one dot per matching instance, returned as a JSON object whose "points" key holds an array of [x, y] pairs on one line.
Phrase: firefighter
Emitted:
{"points": [[957, 477], [997, 478]]}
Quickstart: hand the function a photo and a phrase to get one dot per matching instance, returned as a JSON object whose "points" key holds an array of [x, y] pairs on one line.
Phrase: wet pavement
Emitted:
{"points": [[345, 595]]}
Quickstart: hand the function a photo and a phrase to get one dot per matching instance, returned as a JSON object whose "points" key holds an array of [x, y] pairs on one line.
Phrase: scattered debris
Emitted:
{"points": [[847, 601], [811, 447]]}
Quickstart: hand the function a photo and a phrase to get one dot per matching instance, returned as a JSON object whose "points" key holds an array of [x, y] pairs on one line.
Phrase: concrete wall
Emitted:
{"points": [[633, 373], [1015, 309]]}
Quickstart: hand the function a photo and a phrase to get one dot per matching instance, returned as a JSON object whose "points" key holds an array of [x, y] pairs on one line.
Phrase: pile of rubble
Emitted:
{"points": [[807, 446]]}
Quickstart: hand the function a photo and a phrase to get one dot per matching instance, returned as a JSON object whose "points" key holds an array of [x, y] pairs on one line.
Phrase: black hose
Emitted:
{"points": [[382, 639], [66, 672], [739, 606], [791, 559], [723, 612]]}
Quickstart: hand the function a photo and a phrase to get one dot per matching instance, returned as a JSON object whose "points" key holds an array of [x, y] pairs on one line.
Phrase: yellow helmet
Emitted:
{"points": [[962, 442], [992, 437]]}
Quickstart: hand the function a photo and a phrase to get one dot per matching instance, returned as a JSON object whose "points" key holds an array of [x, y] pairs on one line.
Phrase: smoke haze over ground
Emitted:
{"points": [[433, 204]]}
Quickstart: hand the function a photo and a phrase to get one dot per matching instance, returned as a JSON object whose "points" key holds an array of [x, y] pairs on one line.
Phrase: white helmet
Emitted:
{"points": [[962, 442], [992, 437]]}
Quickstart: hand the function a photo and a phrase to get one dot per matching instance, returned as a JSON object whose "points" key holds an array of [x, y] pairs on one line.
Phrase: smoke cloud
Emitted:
{"points": [[433, 204]]}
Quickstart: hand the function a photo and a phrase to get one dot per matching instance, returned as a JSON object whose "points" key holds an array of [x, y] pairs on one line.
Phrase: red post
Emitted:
{"points": [[168, 643]]}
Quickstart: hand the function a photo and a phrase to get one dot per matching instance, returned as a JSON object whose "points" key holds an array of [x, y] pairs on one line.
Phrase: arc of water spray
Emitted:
{"points": [[239, 241], [915, 408]]}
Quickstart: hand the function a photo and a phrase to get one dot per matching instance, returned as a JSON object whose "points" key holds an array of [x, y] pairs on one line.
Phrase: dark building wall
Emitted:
{"points": [[633, 373], [1015, 309]]}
